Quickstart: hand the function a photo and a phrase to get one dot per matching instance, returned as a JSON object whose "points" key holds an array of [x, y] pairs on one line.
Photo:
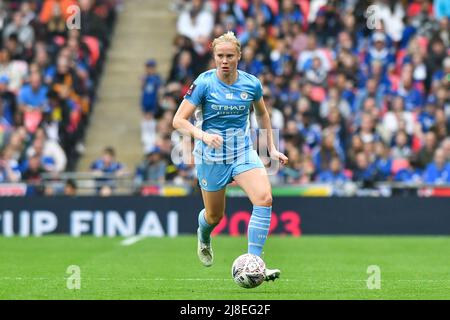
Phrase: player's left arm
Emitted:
{"points": [[263, 118]]}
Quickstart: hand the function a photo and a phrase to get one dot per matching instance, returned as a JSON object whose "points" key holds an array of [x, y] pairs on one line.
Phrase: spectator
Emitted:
{"points": [[442, 124], [231, 8], [408, 175], [290, 12], [327, 24], [43, 63], [401, 148], [436, 53], [328, 149], [70, 188], [335, 100], [56, 25], [309, 130], [15, 49], [8, 100], [317, 75], [383, 161], [249, 32], [15, 70], [379, 51], [107, 169], [249, 63], [184, 68], [365, 172], [32, 100], [336, 124], [335, 175], [53, 155], [304, 61], [426, 153], [5, 123], [106, 191], [57, 122], [260, 10], [9, 168], [185, 175], [413, 97], [66, 81], [33, 96], [438, 171], [19, 27], [356, 146], [195, 21], [151, 83], [392, 119], [17, 142], [27, 9], [91, 23], [374, 90], [34, 170], [280, 57], [423, 20], [446, 148], [367, 129], [300, 168], [427, 117], [153, 168], [107, 164]]}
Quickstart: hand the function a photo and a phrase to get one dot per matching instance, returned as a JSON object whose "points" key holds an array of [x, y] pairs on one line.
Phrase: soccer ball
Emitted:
{"points": [[248, 270]]}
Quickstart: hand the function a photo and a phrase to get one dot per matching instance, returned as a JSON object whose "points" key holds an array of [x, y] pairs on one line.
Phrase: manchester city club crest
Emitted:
{"points": [[244, 95], [204, 182]]}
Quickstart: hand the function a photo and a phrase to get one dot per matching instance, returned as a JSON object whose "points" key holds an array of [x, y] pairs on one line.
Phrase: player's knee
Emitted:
{"points": [[264, 200], [214, 218]]}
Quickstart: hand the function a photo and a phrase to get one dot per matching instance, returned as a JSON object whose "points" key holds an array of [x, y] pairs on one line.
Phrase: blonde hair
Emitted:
{"points": [[227, 37]]}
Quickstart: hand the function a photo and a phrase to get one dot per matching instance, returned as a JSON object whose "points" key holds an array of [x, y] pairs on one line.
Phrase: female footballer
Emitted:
{"points": [[220, 100]]}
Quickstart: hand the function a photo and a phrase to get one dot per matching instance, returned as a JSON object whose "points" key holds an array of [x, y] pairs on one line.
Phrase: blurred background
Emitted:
{"points": [[359, 91]]}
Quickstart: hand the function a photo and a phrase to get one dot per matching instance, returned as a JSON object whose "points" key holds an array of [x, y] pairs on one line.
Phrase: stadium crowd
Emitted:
{"points": [[49, 70], [358, 92]]}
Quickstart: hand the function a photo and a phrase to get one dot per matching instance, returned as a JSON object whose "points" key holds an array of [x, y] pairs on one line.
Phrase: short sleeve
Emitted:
{"points": [[196, 91], [258, 89]]}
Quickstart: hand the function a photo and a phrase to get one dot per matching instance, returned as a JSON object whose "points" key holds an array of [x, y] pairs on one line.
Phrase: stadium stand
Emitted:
{"points": [[353, 101], [48, 80], [358, 96]]}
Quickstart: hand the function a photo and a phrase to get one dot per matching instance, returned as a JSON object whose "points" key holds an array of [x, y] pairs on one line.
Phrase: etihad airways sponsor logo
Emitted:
{"points": [[227, 107]]}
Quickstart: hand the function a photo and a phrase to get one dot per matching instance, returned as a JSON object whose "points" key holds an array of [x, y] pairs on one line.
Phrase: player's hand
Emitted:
{"points": [[277, 155], [212, 140]]}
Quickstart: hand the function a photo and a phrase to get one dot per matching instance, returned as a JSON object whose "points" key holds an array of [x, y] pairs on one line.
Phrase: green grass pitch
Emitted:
{"points": [[313, 267]]}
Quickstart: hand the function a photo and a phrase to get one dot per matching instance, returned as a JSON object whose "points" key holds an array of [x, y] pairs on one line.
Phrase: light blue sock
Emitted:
{"points": [[258, 229], [205, 228]]}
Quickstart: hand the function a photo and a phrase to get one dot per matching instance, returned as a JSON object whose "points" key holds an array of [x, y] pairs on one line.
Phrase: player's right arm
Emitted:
{"points": [[181, 123]]}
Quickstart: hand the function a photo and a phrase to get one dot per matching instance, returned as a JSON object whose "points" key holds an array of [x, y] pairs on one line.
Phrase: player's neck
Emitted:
{"points": [[229, 78]]}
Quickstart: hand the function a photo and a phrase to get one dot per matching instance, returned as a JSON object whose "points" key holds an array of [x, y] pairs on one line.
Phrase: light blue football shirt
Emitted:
{"points": [[224, 109]]}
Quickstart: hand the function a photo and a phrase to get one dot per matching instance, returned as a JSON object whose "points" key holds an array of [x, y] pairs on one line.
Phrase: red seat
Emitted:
{"points": [[399, 164], [94, 48], [318, 94], [32, 119]]}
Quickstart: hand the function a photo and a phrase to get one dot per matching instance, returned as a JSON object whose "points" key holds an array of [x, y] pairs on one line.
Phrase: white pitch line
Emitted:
{"points": [[131, 240], [221, 279]]}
